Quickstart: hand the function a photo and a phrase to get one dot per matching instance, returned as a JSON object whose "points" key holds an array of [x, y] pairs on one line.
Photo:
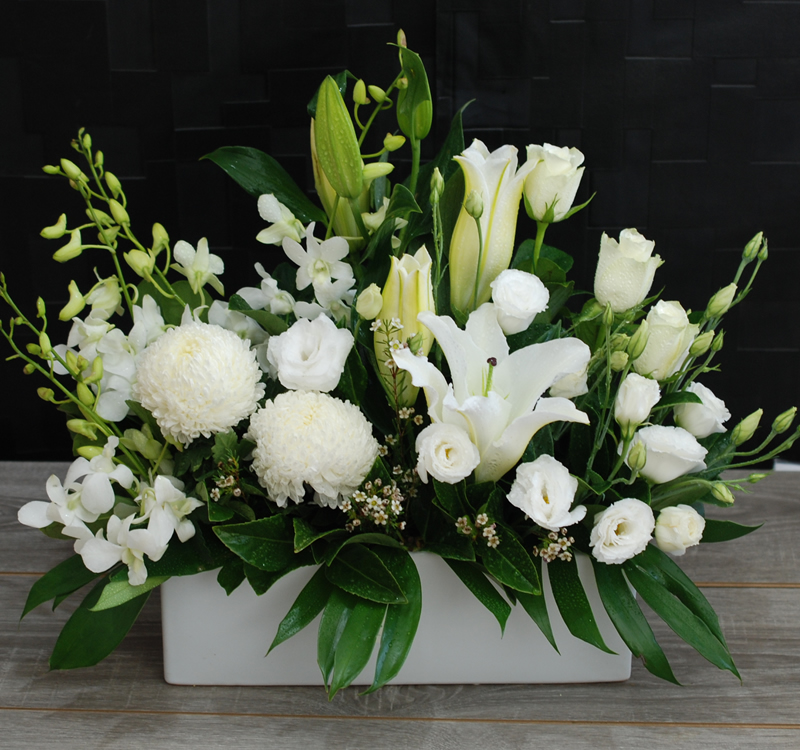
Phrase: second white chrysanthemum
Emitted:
{"points": [[311, 438], [198, 379]]}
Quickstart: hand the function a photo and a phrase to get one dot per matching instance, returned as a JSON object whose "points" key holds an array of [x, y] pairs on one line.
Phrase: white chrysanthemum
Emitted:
{"points": [[198, 379], [308, 437]]}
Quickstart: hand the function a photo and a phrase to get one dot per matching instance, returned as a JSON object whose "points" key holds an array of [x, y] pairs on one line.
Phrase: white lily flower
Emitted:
{"points": [[284, 223], [199, 266], [320, 261], [495, 396]]}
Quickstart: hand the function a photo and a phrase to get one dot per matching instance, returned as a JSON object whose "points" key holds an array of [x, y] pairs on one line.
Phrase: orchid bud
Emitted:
{"points": [[108, 236], [437, 186], [377, 169], [701, 344], [87, 141], [142, 263], [82, 427], [75, 305], [99, 159], [97, 371], [784, 421], [71, 250], [751, 248], [393, 142], [369, 302], [474, 204], [85, 394], [118, 212], [29, 369], [95, 214], [360, 92], [638, 341], [72, 361], [50, 169], [746, 428], [377, 93], [33, 349], [46, 394], [160, 238], [721, 492], [721, 302], [41, 310], [90, 451], [44, 344], [72, 170], [57, 230], [113, 183]]}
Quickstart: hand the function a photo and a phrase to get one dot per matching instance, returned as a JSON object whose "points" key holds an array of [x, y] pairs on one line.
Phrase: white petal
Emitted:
{"points": [[34, 514], [97, 495], [98, 554]]}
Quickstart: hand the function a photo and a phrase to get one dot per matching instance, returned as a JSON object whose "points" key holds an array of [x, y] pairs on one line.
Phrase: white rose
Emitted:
{"points": [[544, 489], [310, 356], [519, 297], [625, 270], [446, 453], [622, 531], [677, 528], [670, 336], [553, 182], [671, 453], [702, 419], [636, 398]]}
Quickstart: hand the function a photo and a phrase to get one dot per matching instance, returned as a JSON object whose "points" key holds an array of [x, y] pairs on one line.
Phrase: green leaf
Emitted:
{"points": [[353, 382], [629, 620], [258, 173], [475, 580], [400, 625], [414, 102], [452, 498], [231, 575], [308, 604], [573, 604], [510, 564], [673, 399], [723, 531], [116, 593], [359, 571], [219, 513], [368, 538], [356, 643], [270, 322], [66, 578], [266, 543], [536, 607], [553, 263], [262, 581], [305, 534], [678, 616], [171, 308], [202, 552], [337, 611], [402, 203], [453, 546], [88, 637]]}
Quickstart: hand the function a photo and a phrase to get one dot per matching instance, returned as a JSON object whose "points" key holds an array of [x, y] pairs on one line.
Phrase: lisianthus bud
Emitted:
{"points": [[118, 212], [618, 361], [75, 305], [551, 185], [608, 316], [377, 93], [619, 342], [113, 183], [784, 421], [474, 204], [369, 302], [746, 428], [720, 303], [437, 186], [72, 170], [360, 92], [722, 493], [393, 142], [637, 457], [142, 263], [59, 229], [752, 248], [701, 344], [71, 250], [755, 478], [764, 253], [718, 341], [671, 335], [625, 270], [635, 400], [638, 341]]}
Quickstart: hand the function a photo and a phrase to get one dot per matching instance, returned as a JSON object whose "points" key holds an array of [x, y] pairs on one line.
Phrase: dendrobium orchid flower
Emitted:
{"points": [[320, 261], [495, 396], [284, 223], [199, 266]]}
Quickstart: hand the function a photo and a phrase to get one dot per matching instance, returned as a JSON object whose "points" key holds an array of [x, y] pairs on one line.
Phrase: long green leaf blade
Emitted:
{"points": [[267, 543], [360, 572], [337, 611], [61, 581], [536, 607], [308, 604], [116, 593], [475, 580], [510, 564]]}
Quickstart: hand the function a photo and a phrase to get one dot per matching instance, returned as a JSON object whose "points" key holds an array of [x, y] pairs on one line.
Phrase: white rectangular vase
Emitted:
{"points": [[214, 639]]}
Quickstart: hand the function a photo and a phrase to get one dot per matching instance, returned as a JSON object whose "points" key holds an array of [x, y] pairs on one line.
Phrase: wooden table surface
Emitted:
{"points": [[753, 583]]}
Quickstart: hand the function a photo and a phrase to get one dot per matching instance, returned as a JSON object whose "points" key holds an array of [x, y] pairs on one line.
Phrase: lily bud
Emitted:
{"points": [[746, 428], [46, 394], [638, 341], [360, 92], [75, 305], [437, 186], [57, 230], [701, 344], [71, 250], [114, 184], [722, 493], [82, 427], [377, 93], [784, 421], [369, 302], [751, 248], [474, 204], [142, 263], [118, 212], [85, 394], [637, 457], [72, 170], [377, 169], [721, 302], [393, 142], [160, 238]]}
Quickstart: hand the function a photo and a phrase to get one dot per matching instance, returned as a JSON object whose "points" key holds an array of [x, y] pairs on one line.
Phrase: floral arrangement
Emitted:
{"points": [[407, 378]]}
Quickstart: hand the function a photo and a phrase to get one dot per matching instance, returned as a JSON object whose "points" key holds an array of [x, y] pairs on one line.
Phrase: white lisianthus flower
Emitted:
{"points": [[671, 453], [670, 337], [551, 186], [677, 528], [636, 398], [446, 453], [625, 270], [320, 261], [311, 438], [199, 266], [310, 355], [284, 223], [544, 489], [519, 297], [198, 379], [703, 419], [622, 531]]}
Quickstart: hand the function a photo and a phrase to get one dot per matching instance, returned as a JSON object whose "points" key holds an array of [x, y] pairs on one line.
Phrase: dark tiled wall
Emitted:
{"points": [[688, 112]]}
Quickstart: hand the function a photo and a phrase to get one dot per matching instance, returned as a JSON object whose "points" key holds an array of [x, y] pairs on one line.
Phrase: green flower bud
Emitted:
{"points": [[160, 238], [618, 361], [100, 216], [108, 236], [639, 340], [402, 83], [118, 212], [142, 263], [619, 342], [50, 169], [46, 394], [369, 302], [99, 159], [721, 302], [754, 478], [57, 230], [71, 250], [474, 204], [784, 421], [764, 254], [746, 428], [401, 38], [393, 142], [377, 169], [637, 457], [75, 305], [360, 92], [87, 141], [72, 170], [97, 371], [437, 186], [44, 344], [85, 394], [82, 427], [72, 361], [701, 344], [113, 184], [377, 93], [41, 310], [751, 248], [722, 493], [28, 369], [608, 316], [90, 451], [719, 340], [33, 349]]}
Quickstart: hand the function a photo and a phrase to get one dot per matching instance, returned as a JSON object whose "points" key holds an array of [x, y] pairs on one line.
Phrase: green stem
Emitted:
{"points": [[541, 228], [478, 268], [359, 221]]}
